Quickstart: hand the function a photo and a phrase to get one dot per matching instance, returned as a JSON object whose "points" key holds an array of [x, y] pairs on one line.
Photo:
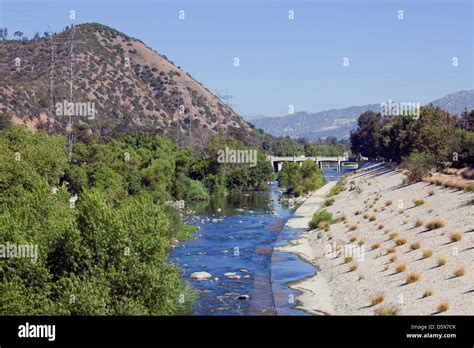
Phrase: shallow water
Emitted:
{"points": [[237, 233]]}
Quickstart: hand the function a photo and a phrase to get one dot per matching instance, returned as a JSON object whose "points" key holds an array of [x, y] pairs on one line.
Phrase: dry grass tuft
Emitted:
{"points": [[400, 268], [353, 239], [441, 261], [348, 259], [390, 250], [418, 201], [443, 306], [393, 235], [413, 277], [455, 236], [353, 227], [427, 253], [459, 271], [435, 224], [380, 226], [375, 245], [415, 245], [387, 311], [428, 293], [388, 202], [419, 222], [377, 299], [400, 241], [353, 266], [431, 193], [392, 258]]}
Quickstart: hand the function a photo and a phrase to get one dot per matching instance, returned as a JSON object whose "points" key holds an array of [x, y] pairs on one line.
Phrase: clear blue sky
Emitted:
{"points": [[284, 61]]}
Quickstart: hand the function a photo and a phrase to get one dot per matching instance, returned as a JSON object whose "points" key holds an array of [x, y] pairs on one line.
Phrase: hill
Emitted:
{"points": [[124, 83]]}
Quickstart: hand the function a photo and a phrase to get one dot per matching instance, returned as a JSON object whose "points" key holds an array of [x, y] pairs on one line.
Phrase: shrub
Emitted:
{"points": [[443, 307], [393, 235], [390, 250], [393, 258], [419, 222], [366, 215], [418, 201], [441, 261], [415, 245], [400, 268], [377, 299], [435, 224], [348, 259], [353, 239], [418, 165], [361, 242], [455, 236], [400, 241], [431, 192], [372, 218], [357, 212], [196, 192], [328, 202], [413, 277], [428, 293], [387, 311], [353, 267], [380, 226], [427, 253], [320, 216], [459, 271], [388, 202], [342, 218], [469, 187], [375, 245], [353, 227]]}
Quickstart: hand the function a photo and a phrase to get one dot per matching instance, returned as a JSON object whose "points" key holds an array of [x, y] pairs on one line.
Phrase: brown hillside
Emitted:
{"points": [[145, 94]]}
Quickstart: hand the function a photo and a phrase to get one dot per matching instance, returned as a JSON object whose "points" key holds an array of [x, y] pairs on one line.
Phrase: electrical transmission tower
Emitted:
{"points": [[69, 64], [225, 98], [181, 110]]}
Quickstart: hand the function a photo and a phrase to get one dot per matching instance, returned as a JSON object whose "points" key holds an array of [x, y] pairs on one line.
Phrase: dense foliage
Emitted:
{"points": [[221, 176], [435, 138], [300, 179], [106, 253]]}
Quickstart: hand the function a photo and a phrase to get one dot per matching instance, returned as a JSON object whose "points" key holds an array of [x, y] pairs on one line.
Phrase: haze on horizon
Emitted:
{"points": [[284, 61]]}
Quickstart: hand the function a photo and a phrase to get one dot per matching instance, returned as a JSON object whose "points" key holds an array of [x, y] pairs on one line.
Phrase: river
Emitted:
{"points": [[237, 234]]}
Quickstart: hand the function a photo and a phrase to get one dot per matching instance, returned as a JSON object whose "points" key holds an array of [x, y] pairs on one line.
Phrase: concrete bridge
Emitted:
{"points": [[277, 161]]}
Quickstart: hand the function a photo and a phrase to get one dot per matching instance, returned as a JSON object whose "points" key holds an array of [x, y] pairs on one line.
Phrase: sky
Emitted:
{"points": [[285, 62]]}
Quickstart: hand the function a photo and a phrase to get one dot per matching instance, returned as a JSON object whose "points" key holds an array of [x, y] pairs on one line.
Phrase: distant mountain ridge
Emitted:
{"points": [[339, 122]]}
